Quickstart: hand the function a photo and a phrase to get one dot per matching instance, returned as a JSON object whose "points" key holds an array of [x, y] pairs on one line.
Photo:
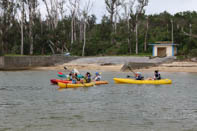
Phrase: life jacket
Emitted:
{"points": [[157, 76], [97, 78], [139, 77], [88, 78]]}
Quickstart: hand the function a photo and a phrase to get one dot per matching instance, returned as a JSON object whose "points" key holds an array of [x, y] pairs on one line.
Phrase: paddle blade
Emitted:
{"points": [[60, 73], [62, 76]]}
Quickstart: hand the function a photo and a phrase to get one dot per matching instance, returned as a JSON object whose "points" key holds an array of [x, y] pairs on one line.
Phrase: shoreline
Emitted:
{"points": [[190, 67]]}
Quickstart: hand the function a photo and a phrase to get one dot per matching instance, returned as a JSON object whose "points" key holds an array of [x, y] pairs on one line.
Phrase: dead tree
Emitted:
{"points": [[61, 8], [7, 13], [32, 6], [73, 6], [117, 10], [88, 6], [111, 6], [189, 34], [190, 28], [127, 5], [52, 11], [22, 4], [146, 34], [172, 33], [54, 8], [139, 9], [62, 11]]}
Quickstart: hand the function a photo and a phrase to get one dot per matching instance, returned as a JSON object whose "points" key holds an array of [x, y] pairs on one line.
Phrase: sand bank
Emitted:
{"points": [[169, 67]]}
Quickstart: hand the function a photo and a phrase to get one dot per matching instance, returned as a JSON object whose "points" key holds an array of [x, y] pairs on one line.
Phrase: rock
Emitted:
{"points": [[107, 64], [133, 66], [194, 59], [152, 57]]}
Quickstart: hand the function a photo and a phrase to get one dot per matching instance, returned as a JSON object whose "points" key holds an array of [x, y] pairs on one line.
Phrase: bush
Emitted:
{"points": [[193, 53]]}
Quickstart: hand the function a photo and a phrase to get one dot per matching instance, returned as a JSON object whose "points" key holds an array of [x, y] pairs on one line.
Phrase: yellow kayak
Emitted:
{"points": [[64, 85], [133, 81]]}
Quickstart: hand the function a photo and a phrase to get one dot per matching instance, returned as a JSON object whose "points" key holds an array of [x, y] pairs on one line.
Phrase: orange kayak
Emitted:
{"points": [[100, 82], [55, 81]]}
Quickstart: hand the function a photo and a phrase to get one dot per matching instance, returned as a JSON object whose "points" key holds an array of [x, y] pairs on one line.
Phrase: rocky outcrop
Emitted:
{"points": [[133, 66], [146, 64], [194, 59]]}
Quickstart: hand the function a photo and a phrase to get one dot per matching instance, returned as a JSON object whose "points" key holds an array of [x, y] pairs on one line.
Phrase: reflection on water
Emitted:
{"points": [[29, 103]]}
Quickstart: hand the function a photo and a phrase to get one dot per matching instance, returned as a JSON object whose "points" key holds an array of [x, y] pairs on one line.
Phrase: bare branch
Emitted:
{"points": [[188, 34]]}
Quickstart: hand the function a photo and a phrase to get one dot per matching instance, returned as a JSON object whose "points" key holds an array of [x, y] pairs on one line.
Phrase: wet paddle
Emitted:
{"points": [[60, 74], [65, 68], [131, 70]]}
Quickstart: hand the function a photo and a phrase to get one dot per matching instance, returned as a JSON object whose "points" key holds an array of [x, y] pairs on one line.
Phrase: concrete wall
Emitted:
{"points": [[24, 62]]}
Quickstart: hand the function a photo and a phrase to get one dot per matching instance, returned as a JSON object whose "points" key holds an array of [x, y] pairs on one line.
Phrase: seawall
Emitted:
{"points": [[27, 62]]}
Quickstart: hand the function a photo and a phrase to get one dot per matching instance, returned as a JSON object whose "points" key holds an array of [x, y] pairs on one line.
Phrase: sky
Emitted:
{"points": [[154, 7]]}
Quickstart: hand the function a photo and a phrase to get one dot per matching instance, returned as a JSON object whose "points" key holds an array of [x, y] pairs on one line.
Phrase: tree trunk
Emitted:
{"points": [[75, 30], [112, 30], [190, 26], [111, 20], [172, 31], [72, 33], [84, 39], [22, 34], [2, 48], [115, 24], [129, 36], [81, 32], [167, 28], [136, 36], [146, 35], [30, 27]]}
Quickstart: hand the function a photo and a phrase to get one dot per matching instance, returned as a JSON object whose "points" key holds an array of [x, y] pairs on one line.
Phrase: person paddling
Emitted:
{"points": [[74, 78], [138, 76], [157, 75], [97, 77], [88, 77]]}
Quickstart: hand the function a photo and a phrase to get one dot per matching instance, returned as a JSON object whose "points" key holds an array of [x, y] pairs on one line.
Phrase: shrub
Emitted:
{"points": [[193, 53]]}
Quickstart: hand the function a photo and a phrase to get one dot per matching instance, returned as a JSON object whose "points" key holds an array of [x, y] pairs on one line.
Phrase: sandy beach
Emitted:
{"points": [[115, 63], [182, 66], [175, 67]]}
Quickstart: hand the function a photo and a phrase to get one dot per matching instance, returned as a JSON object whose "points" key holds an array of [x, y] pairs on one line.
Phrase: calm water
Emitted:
{"points": [[29, 103]]}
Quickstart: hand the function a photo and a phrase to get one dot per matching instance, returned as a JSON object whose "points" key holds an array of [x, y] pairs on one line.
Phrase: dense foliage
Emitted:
{"points": [[98, 34]]}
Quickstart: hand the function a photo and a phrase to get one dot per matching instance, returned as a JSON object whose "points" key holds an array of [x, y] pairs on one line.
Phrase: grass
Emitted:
{"points": [[23, 55], [139, 55]]}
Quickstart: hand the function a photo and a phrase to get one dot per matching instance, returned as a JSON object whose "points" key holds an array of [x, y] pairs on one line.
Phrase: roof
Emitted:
{"points": [[163, 44]]}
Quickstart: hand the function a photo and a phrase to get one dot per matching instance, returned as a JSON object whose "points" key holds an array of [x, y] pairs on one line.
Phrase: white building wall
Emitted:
{"points": [[155, 51], [169, 50]]}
